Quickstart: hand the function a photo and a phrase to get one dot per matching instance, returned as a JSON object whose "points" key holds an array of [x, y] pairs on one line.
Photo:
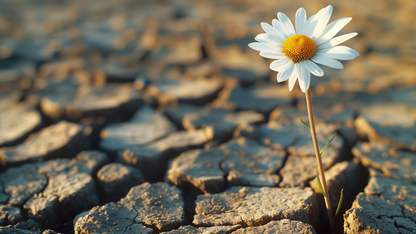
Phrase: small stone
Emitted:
{"points": [[146, 126], [153, 158], [204, 230], [112, 217], [253, 206], [284, 226], [388, 159], [59, 140], [157, 205], [21, 183], [10, 215], [115, 180]]}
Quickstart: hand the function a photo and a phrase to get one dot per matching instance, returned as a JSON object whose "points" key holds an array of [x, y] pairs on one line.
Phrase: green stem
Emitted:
{"points": [[318, 157]]}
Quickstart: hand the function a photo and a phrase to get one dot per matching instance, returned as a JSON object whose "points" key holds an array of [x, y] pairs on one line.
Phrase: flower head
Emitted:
{"points": [[298, 51]]}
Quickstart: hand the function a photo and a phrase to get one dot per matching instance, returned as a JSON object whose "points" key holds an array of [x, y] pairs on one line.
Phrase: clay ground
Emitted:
{"points": [[155, 116]]}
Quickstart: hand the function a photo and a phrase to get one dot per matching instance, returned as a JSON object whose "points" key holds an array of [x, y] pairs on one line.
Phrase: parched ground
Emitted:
{"points": [[155, 117]]}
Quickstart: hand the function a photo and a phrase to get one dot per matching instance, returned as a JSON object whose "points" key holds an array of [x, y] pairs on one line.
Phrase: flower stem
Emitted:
{"points": [[318, 157]]}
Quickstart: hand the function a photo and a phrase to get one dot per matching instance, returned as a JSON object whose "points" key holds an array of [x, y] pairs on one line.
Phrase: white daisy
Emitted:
{"points": [[297, 52]]}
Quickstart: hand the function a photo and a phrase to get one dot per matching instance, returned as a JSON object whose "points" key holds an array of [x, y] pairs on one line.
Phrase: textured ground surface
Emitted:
{"points": [[155, 117]]}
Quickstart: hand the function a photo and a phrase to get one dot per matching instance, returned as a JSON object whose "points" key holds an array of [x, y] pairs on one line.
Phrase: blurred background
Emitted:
{"points": [[119, 41]]}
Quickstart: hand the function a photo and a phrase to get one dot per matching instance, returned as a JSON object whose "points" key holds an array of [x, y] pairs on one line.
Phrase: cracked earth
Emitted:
{"points": [[156, 117]]}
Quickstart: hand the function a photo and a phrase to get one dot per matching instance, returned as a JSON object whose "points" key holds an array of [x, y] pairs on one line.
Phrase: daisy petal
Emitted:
{"points": [[336, 41], [272, 55], [293, 77], [286, 23], [313, 68], [281, 28], [340, 39], [327, 62], [267, 41], [284, 75], [339, 52], [311, 24], [354, 52], [304, 77], [265, 38], [322, 22], [259, 47], [300, 20], [332, 29], [273, 32], [280, 65]]}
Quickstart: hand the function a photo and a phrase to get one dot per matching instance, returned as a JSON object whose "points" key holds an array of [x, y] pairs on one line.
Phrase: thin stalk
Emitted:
{"points": [[318, 157]]}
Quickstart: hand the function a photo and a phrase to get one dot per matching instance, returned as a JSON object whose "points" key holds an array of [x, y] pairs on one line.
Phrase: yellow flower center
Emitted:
{"points": [[299, 47]]}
